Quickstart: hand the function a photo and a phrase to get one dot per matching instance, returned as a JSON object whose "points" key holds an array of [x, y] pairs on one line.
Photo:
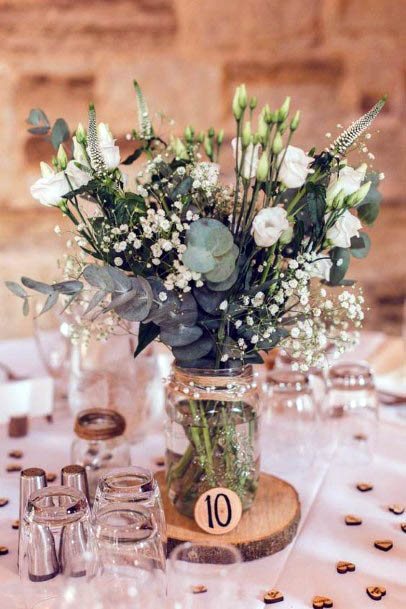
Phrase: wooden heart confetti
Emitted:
{"points": [[199, 589], [403, 526], [383, 544], [364, 487], [3, 550], [360, 437], [345, 567], [15, 525], [13, 467], [376, 592], [273, 596], [3, 501], [396, 509], [16, 454], [160, 461], [322, 602], [352, 521]]}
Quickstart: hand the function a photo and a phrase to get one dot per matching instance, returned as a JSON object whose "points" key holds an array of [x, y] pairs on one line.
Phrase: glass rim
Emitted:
{"points": [[181, 564], [111, 481], [288, 380], [137, 524], [72, 506], [88, 424], [351, 375]]}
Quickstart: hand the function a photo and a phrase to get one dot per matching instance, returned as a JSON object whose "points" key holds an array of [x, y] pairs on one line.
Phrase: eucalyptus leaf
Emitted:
{"points": [[26, 307], [121, 281], [98, 277], [49, 303], [37, 117], [198, 259], [207, 299], [340, 257], [179, 336], [39, 130], [183, 188], [16, 289], [225, 266], [68, 287], [138, 307], [96, 299], [38, 286], [360, 246], [59, 133], [200, 348], [223, 286]]}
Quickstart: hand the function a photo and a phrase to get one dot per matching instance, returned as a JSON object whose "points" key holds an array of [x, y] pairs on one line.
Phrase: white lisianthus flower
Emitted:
{"points": [[49, 190], [294, 167], [321, 268], [52, 187], [346, 227], [251, 158], [347, 181], [110, 152], [77, 177], [268, 225], [78, 153]]}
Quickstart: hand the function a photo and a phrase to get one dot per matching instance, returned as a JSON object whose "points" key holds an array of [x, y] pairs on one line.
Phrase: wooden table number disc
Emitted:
{"points": [[218, 511]]}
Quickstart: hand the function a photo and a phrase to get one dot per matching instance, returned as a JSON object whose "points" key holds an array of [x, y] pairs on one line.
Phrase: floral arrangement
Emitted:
{"points": [[218, 273]]}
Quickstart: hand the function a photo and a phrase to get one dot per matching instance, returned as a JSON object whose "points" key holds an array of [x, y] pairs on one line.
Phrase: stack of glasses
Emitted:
{"points": [[111, 557]]}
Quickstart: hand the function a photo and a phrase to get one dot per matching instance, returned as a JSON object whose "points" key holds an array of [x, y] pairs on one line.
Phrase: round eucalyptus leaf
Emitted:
{"points": [[225, 266], [360, 246], [208, 299], [200, 348], [98, 277], [223, 286], [179, 336], [198, 259]]}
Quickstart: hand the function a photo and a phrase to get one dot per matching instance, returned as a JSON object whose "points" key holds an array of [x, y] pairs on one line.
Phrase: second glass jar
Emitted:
{"points": [[212, 434]]}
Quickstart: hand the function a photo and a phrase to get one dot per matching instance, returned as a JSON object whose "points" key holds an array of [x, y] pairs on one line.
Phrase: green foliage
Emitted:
{"points": [[340, 257], [360, 246], [59, 133], [211, 250], [147, 333]]}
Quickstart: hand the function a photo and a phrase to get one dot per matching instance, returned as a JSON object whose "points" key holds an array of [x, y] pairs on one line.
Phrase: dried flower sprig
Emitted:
{"points": [[348, 137]]}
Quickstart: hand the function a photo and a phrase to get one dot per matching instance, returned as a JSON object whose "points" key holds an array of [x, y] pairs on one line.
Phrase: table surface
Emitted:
{"points": [[307, 567]]}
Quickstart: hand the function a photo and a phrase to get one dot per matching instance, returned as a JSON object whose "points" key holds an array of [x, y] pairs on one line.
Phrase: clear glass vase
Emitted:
{"points": [[212, 434]]}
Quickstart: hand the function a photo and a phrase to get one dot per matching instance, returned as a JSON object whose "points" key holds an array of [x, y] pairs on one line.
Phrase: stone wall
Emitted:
{"points": [[334, 57]]}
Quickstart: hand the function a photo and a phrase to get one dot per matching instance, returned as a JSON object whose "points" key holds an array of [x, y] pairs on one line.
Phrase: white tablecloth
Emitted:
{"points": [[307, 567]]}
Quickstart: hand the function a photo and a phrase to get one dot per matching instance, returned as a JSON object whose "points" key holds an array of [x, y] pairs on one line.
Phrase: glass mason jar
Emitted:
{"points": [[100, 444], [212, 434]]}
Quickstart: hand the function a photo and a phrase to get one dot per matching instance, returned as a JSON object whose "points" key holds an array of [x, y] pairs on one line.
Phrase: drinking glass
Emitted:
{"points": [[131, 564], [132, 485], [292, 417], [351, 408], [205, 576], [51, 335], [56, 540]]}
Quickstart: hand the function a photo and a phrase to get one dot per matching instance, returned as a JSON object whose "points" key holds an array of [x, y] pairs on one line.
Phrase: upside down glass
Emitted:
{"points": [[131, 485], [212, 434], [292, 418], [351, 409], [56, 539], [205, 576], [131, 565]]}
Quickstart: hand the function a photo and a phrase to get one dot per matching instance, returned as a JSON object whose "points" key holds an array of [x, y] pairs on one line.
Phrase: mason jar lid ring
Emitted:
{"points": [[99, 424]]}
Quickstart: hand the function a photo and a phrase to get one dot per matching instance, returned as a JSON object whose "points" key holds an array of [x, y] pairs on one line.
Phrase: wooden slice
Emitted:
{"points": [[268, 527]]}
